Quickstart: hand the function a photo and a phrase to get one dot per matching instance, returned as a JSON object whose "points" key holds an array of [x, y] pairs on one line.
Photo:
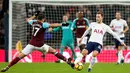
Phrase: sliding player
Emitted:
{"points": [[98, 29], [67, 36], [80, 24], [117, 26], [37, 41]]}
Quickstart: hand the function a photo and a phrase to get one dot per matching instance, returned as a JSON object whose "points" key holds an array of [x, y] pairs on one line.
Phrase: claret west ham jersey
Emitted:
{"points": [[80, 26], [39, 28]]}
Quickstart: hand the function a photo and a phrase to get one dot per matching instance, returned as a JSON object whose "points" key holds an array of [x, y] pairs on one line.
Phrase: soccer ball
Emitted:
{"points": [[79, 66]]}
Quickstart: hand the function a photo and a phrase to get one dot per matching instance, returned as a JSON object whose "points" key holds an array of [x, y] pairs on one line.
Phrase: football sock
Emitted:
{"points": [[120, 56], [14, 61], [78, 59], [73, 53], [60, 56], [84, 58], [92, 62]]}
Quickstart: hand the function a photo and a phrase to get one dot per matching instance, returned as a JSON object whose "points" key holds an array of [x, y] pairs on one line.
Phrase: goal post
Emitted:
{"points": [[19, 10], [10, 31]]}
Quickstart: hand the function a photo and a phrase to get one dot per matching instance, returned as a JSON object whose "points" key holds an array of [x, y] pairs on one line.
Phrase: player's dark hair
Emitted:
{"points": [[41, 16], [100, 12]]}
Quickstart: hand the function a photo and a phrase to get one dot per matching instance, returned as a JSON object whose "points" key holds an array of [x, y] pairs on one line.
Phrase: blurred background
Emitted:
{"points": [[54, 14]]}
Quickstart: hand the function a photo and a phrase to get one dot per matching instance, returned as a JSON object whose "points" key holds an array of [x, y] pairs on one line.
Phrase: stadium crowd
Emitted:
{"points": [[3, 24], [1, 27]]}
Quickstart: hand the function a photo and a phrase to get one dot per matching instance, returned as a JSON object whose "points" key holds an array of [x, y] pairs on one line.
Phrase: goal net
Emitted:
{"points": [[54, 12]]}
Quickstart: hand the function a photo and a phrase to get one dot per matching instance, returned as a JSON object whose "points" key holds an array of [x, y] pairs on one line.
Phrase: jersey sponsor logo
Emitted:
{"points": [[65, 27], [117, 26], [98, 31], [99, 47], [80, 26]]}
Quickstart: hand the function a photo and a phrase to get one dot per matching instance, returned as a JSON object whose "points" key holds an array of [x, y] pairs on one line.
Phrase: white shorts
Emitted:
{"points": [[84, 41], [30, 48]]}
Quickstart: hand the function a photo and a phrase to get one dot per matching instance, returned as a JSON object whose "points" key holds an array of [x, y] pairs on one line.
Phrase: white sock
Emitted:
{"points": [[92, 62], [120, 56], [78, 59]]}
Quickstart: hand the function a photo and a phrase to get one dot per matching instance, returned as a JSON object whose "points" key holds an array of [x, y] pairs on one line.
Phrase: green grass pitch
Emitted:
{"points": [[64, 68]]}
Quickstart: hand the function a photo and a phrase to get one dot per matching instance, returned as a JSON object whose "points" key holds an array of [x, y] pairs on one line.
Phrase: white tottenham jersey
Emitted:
{"points": [[118, 26], [98, 31]]}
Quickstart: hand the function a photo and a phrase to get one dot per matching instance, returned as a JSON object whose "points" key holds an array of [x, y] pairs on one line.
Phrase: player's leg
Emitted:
{"points": [[71, 45], [117, 47], [60, 56], [28, 49], [82, 46], [84, 52], [46, 48], [120, 55], [62, 47], [92, 62], [61, 52], [97, 49], [119, 52]]}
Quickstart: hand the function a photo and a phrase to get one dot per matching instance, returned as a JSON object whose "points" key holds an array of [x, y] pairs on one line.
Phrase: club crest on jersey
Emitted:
{"points": [[83, 22], [98, 31], [77, 22], [99, 47]]}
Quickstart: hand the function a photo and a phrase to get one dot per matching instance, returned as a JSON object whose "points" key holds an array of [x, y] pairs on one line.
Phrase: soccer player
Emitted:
{"points": [[95, 43], [80, 24], [67, 36], [37, 41], [117, 26]]}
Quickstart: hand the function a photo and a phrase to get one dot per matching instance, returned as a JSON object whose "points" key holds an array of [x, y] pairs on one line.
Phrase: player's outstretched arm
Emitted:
{"points": [[54, 29], [55, 25]]}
